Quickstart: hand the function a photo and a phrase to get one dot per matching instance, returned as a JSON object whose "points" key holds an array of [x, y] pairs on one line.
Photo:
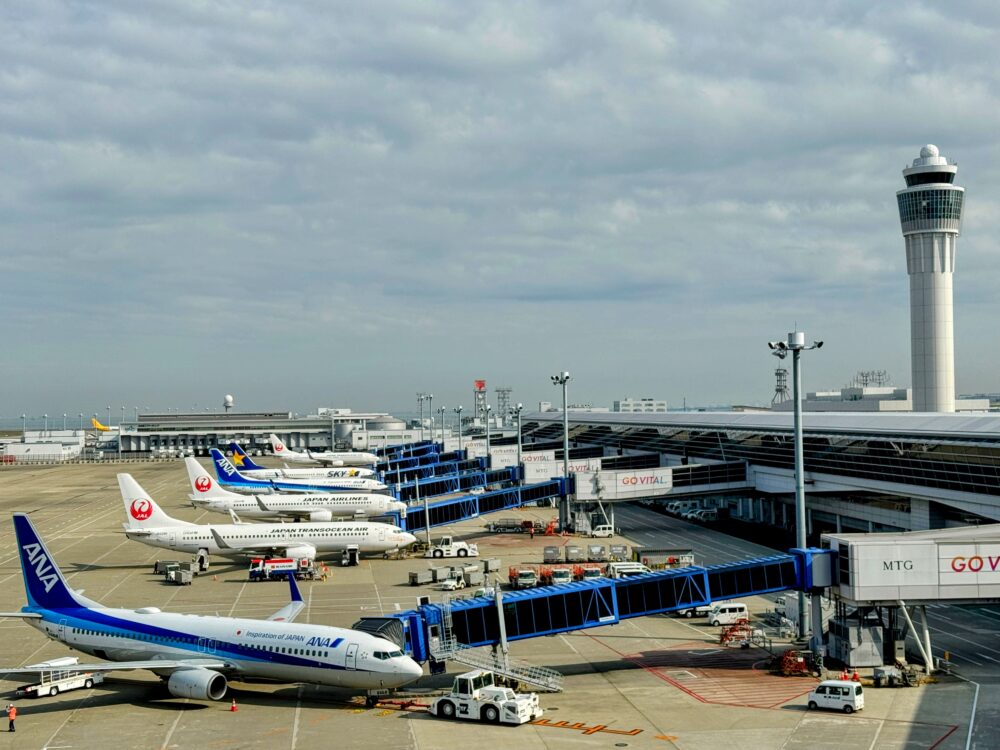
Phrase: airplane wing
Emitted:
{"points": [[290, 513], [156, 665], [258, 549]]}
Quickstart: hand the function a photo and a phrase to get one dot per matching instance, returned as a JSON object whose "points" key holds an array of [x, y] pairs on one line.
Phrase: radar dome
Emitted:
{"points": [[228, 401], [929, 150]]}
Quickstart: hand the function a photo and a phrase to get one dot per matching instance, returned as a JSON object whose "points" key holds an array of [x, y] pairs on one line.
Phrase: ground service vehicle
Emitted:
{"points": [[587, 571], [277, 568], [838, 695], [626, 569], [522, 576], [604, 531], [556, 574], [58, 676], [448, 546], [475, 695], [728, 613]]}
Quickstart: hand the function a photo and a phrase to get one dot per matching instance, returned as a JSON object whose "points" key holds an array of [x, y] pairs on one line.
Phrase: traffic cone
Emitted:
{"points": [[855, 677], [232, 708]]}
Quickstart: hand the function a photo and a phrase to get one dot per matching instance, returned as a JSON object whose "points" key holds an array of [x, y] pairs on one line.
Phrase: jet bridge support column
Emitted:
{"points": [[816, 644], [922, 639]]}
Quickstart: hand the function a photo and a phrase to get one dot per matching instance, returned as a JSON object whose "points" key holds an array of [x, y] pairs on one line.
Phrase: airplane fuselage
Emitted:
{"points": [[346, 505], [282, 651]]}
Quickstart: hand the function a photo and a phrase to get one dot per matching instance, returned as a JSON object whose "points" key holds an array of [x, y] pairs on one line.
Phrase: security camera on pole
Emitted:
{"points": [[796, 344], [562, 379]]}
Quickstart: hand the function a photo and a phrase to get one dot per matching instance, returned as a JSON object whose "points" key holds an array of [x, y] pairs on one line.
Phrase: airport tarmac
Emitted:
{"points": [[655, 681]]}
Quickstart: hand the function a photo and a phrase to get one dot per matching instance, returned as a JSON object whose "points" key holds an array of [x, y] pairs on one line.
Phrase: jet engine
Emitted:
{"points": [[320, 515], [300, 551], [198, 683]]}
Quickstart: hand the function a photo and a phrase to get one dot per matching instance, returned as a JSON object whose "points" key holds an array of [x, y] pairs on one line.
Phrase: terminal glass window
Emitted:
{"points": [[930, 205], [844, 567]]}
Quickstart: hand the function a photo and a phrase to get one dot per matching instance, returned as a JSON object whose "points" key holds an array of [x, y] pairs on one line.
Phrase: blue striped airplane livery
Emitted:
{"points": [[249, 468], [232, 478], [327, 458], [325, 506], [197, 655]]}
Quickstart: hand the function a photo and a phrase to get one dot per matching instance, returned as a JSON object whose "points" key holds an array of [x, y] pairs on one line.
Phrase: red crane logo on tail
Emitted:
{"points": [[141, 509], [203, 484]]}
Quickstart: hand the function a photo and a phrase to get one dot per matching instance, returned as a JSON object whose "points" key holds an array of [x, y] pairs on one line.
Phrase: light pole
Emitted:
{"points": [[516, 412], [420, 403], [137, 414], [562, 379], [486, 418], [430, 413], [109, 415], [796, 344], [64, 421], [45, 429], [458, 411], [81, 421], [441, 411], [24, 428]]}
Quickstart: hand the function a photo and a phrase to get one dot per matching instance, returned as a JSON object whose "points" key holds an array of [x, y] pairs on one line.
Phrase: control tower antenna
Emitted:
{"points": [[781, 393], [930, 213], [503, 402]]}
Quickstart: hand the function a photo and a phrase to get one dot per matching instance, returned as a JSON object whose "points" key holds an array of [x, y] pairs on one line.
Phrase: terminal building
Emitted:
{"points": [[197, 432], [863, 472]]}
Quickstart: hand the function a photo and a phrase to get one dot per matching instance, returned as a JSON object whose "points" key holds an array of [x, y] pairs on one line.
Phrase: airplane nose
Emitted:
{"points": [[412, 669]]}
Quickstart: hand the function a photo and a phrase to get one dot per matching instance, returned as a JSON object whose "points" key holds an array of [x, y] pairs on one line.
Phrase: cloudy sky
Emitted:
{"points": [[341, 204]]}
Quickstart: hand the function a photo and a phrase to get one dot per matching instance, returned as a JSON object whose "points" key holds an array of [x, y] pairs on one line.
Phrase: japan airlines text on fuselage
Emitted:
{"points": [[197, 653], [327, 458]]}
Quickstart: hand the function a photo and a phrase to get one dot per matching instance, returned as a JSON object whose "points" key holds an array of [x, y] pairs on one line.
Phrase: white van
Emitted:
{"points": [[838, 695], [728, 613], [604, 530]]}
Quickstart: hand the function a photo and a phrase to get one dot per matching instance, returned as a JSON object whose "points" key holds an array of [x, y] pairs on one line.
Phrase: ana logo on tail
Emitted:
{"points": [[203, 484], [41, 565], [141, 509]]}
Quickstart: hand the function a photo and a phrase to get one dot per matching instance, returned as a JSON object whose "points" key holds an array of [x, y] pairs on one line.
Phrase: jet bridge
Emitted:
{"points": [[548, 610], [471, 506]]}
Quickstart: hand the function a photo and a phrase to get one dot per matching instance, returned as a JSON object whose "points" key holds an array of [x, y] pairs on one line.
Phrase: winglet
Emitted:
{"points": [[291, 610], [296, 595]]}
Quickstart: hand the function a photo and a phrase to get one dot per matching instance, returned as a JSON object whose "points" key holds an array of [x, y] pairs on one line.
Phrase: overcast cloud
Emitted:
{"points": [[340, 204]]}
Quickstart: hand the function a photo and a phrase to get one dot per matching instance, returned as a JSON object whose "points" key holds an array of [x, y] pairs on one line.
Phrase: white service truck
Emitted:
{"points": [[448, 546], [58, 676], [475, 695]]}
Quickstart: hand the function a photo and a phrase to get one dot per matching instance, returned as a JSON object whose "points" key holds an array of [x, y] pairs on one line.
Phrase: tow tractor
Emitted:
{"points": [[58, 676], [448, 546], [475, 695]]}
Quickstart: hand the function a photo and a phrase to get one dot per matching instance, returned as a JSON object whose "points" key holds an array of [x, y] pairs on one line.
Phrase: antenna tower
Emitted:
{"points": [[781, 393], [503, 402]]}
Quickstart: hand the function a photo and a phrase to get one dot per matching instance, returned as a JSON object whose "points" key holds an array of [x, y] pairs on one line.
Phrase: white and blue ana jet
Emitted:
{"points": [[231, 477], [197, 654], [248, 468], [327, 458], [209, 495], [146, 522]]}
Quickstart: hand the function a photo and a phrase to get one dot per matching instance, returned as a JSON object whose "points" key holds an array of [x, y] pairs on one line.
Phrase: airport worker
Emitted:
{"points": [[11, 715]]}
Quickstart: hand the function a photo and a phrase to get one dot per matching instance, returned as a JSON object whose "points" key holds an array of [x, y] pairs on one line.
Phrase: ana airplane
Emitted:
{"points": [[228, 475], [198, 654], [246, 466], [146, 522], [328, 458], [208, 494]]}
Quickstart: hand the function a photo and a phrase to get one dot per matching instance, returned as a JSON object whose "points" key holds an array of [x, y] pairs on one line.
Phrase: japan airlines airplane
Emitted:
{"points": [[198, 654], [148, 523], [327, 458], [246, 466], [207, 494], [228, 475]]}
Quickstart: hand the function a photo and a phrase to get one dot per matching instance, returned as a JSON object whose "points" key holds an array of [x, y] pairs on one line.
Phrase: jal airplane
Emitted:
{"points": [[197, 654], [327, 458], [146, 522], [246, 466], [228, 475], [209, 495]]}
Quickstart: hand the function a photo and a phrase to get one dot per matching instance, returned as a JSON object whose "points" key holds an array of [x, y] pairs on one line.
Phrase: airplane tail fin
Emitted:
{"points": [[44, 582], [98, 426], [278, 446], [202, 485], [141, 511], [248, 462], [225, 470]]}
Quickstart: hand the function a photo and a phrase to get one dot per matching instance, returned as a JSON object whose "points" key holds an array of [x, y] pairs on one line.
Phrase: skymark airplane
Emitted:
{"points": [[198, 654], [207, 494], [229, 476], [246, 466], [328, 458], [146, 522]]}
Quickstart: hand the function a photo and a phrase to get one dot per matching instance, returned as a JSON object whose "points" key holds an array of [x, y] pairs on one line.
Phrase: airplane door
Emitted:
{"points": [[381, 532], [351, 661], [206, 645], [61, 630]]}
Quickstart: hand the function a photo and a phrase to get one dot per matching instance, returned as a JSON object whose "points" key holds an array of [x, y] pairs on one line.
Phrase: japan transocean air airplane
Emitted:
{"points": [[198, 654], [208, 494], [327, 458], [146, 522], [228, 475], [246, 466]]}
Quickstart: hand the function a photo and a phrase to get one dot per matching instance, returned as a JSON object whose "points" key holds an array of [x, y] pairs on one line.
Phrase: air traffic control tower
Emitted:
{"points": [[930, 212]]}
